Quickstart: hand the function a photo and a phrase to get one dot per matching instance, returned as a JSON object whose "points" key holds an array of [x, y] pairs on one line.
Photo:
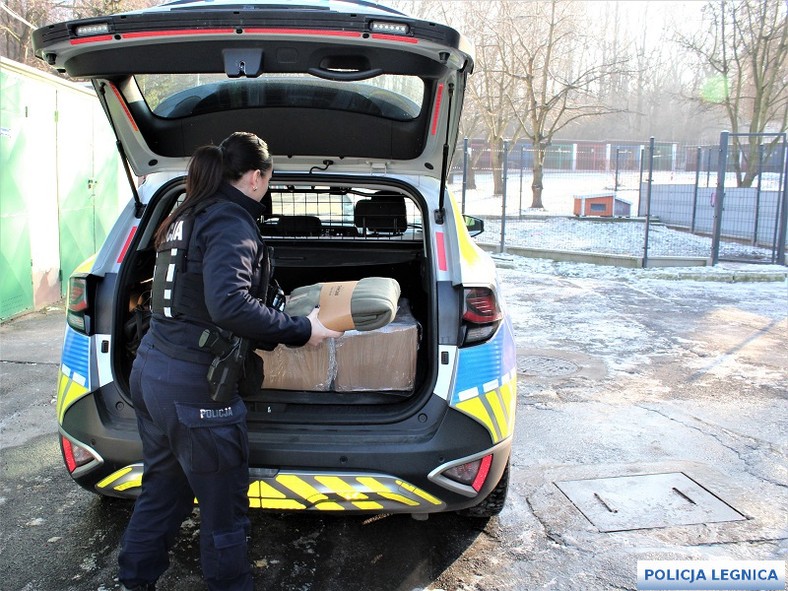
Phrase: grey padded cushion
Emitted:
{"points": [[372, 305]]}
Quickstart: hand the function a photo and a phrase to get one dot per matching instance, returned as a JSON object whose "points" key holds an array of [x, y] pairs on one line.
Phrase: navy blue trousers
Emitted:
{"points": [[192, 447]]}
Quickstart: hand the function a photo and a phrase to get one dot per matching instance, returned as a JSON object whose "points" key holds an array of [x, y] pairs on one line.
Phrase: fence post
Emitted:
{"points": [[503, 200], [464, 172], [648, 198], [758, 195], [719, 197], [708, 167], [615, 184], [695, 196], [640, 182], [778, 203], [783, 215], [522, 165]]}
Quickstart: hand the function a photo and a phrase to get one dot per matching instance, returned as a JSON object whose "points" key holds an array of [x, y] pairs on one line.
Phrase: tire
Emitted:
{"points": [[493, 504]]}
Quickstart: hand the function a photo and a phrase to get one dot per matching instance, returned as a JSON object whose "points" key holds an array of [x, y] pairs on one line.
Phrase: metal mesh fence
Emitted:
{"points": [[596, 197]]}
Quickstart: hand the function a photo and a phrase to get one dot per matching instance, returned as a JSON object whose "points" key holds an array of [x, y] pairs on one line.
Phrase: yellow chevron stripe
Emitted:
{"points": [[368, 505], [341, 494], [475, 408], [71, 392], [507, 396], [302, 488], [399, 499], [373, 484], [494, 400], [417, 491], [62, 382], [263, 490], [341, 488], [469, 250], [133, 483], [114, 476], [383, 491], [329, 506], [276, 504], [85, 266]]}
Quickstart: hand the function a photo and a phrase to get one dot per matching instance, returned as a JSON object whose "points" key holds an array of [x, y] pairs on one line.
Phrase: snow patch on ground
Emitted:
{"points": [[587, 309], [556, 228]]}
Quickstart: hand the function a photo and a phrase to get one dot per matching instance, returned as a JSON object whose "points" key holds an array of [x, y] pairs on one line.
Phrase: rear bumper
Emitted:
{"points": [[326, 471]]}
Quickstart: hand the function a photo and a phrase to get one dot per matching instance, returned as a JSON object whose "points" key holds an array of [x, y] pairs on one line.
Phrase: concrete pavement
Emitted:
{"points": [[625, 379]]}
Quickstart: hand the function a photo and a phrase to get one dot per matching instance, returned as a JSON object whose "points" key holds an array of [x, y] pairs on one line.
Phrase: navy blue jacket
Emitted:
{"points": [[227, 248]]}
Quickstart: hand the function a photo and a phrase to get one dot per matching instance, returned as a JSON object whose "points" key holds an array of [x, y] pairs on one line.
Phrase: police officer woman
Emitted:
{"points": [[211, 271]]}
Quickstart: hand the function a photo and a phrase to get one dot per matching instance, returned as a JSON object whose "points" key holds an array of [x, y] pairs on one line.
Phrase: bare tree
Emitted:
{"points": [[536, 72], [491, 87], [487, 109], [746, 44], [557, 72], [19, 18]]}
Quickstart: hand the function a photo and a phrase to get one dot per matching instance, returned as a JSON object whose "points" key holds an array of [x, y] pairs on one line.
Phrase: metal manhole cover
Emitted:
{"points": [[540, 365], [648, 501]]}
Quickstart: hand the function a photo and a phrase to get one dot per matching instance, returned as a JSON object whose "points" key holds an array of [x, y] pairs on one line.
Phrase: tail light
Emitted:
{"points": [[75, 455], [480, 315], [78, 305], [472, 473]]}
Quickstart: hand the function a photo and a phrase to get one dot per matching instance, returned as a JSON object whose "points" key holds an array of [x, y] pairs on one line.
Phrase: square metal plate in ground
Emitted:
{"points": [[648, 501]]}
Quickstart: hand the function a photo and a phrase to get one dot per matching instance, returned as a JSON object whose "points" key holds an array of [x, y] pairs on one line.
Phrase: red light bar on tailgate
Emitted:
{"points": [[231, 31]]}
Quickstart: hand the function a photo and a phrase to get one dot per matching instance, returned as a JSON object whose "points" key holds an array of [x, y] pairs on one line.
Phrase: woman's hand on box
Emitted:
{"points": [[320, 332]]}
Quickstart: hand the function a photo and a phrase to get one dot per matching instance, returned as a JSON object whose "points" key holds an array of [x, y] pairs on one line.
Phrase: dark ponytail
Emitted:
{"points": [[203, 178], [210, 165]]}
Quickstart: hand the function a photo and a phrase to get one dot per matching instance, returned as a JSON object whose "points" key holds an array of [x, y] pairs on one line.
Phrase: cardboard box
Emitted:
{"points": [[299, 368], [382, 360]]}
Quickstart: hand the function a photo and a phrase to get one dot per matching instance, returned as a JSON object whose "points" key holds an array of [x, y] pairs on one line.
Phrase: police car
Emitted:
{"points": [[360, 105]]}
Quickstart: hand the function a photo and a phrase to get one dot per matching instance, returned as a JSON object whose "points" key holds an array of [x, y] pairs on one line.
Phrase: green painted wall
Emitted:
{"points": [[16, 273], [59, 192]]}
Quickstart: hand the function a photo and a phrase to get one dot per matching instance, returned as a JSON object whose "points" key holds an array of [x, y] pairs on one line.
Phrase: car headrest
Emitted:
{"points": [[299, 225], [381, 213]]}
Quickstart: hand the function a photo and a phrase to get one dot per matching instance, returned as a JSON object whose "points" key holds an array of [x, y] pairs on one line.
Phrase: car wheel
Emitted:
{"points": [[493, 504]]}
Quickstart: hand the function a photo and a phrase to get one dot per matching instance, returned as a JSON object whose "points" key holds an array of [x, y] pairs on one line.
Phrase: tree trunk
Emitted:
{"points": [[470, 178], [536, 183], [476, 156], [753, 164], [496, 160]]}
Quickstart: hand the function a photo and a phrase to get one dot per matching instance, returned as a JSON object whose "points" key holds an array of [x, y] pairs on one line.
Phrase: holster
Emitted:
{"points": [[234, 367]]}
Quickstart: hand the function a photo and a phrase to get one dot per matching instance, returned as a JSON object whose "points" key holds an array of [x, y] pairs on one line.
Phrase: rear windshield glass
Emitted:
{"points": [[182, 95]]}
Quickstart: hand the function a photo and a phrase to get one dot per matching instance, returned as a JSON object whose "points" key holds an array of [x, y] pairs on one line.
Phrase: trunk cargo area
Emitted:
{"points": [[323, 236]]}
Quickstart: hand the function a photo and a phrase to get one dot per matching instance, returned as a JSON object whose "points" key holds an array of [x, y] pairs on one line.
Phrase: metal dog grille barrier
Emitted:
{"points": [[340, 213]]}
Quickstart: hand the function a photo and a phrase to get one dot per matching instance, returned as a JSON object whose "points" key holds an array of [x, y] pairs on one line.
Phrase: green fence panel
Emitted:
{"points": [[16, 277], [108, 176], [76, 197], [60, 185]]}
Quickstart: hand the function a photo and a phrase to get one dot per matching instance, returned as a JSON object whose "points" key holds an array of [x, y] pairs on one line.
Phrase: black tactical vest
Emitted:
{"points": [[176, 291], [178, 287]]}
